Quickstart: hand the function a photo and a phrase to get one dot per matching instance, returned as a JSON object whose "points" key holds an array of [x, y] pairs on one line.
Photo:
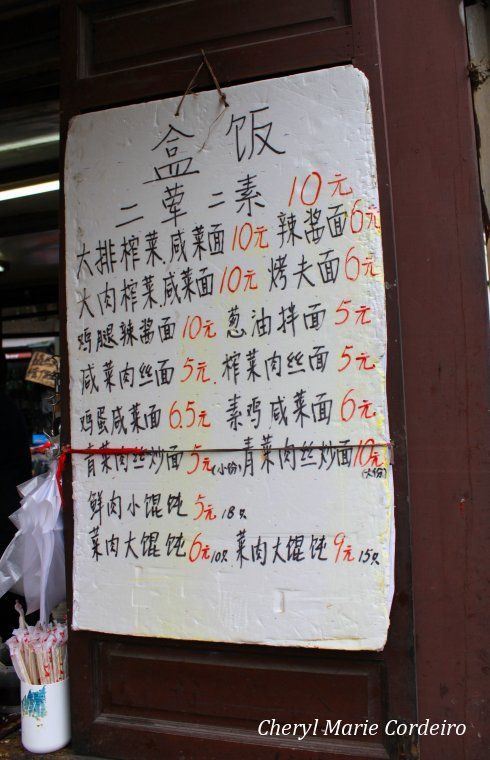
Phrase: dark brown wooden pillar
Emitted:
{"points": [[444, 332]]}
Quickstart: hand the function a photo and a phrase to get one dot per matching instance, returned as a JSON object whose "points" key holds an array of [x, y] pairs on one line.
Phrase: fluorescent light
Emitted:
{"points": [[29, 341], [21, 192], [30, 142]]}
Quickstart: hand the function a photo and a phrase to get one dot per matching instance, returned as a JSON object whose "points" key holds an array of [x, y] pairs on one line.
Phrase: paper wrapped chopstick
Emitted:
{"points": [[39, 653]]}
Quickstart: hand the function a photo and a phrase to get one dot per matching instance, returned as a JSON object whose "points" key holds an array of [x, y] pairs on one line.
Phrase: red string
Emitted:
{"points": [[40, 449], [66, 450]]}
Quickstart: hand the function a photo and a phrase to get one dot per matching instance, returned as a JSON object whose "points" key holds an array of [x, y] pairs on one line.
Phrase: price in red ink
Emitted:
{"points": [[197, 327], [368, 454], [235, 279], [187, 416], [198, 462], [195, 370], [346, 553], [201, 550], [351, 407], [205, 510], [247, 236], [360, 219], [345, 311], [309, 189], [362, 361]]}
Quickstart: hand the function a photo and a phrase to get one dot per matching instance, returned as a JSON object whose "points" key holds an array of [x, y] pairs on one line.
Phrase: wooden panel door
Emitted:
{"points": [[160, 698]]}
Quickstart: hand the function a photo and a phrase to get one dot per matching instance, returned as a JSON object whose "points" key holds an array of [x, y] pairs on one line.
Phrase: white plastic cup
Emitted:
{"points": [[45, 716]]}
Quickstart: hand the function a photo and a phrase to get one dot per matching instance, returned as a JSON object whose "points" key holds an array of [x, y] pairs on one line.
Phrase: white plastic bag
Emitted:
{"points": [[34, 562]]}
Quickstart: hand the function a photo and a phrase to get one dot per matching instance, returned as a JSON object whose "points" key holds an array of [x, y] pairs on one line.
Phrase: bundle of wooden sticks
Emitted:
{"points": [[38, 652]]}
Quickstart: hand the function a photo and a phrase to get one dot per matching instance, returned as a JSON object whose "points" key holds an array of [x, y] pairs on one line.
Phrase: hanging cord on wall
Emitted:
{"points": [[221, 94], [189, 87]]}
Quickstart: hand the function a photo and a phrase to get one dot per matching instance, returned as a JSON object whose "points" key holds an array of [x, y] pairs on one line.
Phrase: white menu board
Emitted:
{"points": [[226, 315]]}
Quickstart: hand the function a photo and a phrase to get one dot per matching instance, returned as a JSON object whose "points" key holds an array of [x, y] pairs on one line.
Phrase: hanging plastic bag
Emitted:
{"points": [[33, 564]]}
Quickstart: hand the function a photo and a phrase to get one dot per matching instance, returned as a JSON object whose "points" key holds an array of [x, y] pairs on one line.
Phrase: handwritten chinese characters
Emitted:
{"points": [[226, 314]]}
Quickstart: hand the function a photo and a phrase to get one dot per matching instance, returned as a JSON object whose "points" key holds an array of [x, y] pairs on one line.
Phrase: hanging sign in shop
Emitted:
{"points": [[43, 368], [226, 313]]}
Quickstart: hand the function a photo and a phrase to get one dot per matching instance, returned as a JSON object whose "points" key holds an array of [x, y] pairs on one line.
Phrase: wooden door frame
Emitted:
{"points": [[444, 331]]}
